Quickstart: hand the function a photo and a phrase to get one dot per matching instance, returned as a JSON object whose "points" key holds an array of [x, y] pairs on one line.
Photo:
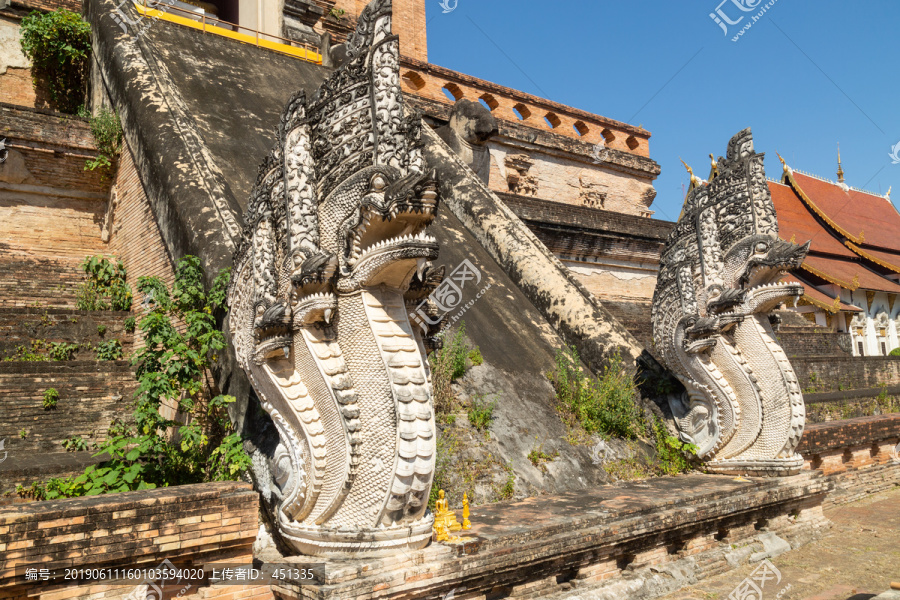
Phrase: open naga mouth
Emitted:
{"points": [[272, 330], [393, 230]]}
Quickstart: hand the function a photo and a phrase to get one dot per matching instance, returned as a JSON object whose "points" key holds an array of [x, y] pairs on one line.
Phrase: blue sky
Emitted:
{"points": [[807, 75]]}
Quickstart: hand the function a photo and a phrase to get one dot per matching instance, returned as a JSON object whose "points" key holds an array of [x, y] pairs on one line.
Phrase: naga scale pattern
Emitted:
{"points": [[334, 248], [718, 281]]}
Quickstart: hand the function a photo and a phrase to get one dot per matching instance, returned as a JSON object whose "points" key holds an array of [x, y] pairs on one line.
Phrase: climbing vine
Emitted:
{"points": [[59, 46], [199, 443]]}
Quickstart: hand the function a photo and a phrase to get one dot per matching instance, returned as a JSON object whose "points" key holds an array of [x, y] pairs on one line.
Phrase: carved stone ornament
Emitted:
{"points": [[334, 237], [719, 279]]}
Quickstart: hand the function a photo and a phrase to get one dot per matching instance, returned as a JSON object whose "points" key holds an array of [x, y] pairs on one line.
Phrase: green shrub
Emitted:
{"points": [[101, 330], [172, 365], [481, 413], [62, 350], [107, 131], [109, 350], [59, 46], [475, 356], [33, 354], [105, 287], [448, 364], [607, 405], [75, 443], [130, 323], [895, 352], [601, 405], [51, 397]]}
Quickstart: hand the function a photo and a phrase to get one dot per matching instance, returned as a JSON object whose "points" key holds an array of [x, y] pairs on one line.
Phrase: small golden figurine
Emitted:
{"points": [[466, 524], [445, 519]]}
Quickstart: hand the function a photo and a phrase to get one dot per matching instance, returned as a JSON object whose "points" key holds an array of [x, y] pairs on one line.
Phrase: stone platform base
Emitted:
{"points": [[635, 540]]}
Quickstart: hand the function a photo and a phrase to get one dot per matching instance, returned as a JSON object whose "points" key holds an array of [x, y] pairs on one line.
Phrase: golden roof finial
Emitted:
{"points": [[714, 167], [888, 195], [840, 171], [695, 181], [783, 164]]}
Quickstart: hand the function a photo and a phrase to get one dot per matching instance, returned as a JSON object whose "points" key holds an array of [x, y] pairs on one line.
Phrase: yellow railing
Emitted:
{"points": [[208, 24]]}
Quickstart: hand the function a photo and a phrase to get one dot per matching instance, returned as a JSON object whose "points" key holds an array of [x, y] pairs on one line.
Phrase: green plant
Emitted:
{"points": [[101, 329], [62, 350], [107, 131], [51, 397], [46, 321], [337, 14], [895, 352], [448, 364], [59, 46], [672, 454], [600, 405], [75, 443], [170, 367], [109, 350], [105, 287], [538, 457], [509, 488], [481, 413], [130, 323], [33, 354], [23, 433], [475, 356]]}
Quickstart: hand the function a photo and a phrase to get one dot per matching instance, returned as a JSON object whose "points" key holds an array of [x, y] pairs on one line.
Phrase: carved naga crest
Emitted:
{"points": [[333, 239], [719, 279]]}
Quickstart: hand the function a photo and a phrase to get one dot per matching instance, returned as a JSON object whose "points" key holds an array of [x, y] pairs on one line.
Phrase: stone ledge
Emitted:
{"points": [[631, 526], [833, 435]]}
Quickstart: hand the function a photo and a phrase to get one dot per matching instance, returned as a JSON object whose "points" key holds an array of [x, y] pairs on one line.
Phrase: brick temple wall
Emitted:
{"points": [[187, 525], [826, 374], [91, 395], [135, 236], [51, 209], [814, 341]]}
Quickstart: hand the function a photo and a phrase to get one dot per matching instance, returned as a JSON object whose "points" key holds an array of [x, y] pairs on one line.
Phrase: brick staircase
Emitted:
{"points": [[91, 393]]}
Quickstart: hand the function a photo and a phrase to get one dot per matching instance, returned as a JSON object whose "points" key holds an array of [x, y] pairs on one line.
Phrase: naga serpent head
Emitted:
{"points": [[754, 265], [334, 246], [719, 275]]}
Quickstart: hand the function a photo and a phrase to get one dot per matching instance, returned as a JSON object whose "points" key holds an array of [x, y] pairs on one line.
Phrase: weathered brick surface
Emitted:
{"points": [[839, 435], [91, 395], [45, 127], [135, 237], [19, 326], [826, 374], [51, 210], [132, 529], [532, 548], [814, 341], [73, 5], [428, 80]]}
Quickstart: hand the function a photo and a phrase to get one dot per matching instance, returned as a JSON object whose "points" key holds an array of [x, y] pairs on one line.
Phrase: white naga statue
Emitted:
{"points": [[719, 279], [334, 247]]}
